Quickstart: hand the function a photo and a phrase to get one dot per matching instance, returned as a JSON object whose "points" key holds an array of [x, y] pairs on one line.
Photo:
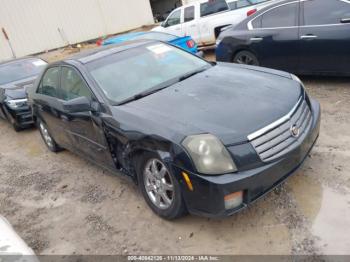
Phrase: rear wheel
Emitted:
{"points": [[45, 134], [246, 58], [160, 188]]}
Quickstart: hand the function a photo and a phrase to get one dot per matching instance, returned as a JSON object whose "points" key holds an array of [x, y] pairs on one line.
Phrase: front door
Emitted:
{"points": [[85, 128], [49, 107], [325, 36], [173, 24]]}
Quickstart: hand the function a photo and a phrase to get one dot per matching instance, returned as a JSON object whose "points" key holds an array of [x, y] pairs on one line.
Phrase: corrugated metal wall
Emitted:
{"points": [[38, 25]]}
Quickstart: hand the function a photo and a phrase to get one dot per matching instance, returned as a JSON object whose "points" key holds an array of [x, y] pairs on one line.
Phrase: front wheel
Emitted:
{"points": [[160, 188], [246, 58], [45, 134]]}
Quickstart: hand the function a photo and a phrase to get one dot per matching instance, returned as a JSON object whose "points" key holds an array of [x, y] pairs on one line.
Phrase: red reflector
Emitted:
{"points": [[251, 12], [190, 43]]}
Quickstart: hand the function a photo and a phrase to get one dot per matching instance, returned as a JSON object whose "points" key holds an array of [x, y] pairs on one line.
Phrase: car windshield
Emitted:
{"points": [[156, 36], [21, 69], [150, 67]]}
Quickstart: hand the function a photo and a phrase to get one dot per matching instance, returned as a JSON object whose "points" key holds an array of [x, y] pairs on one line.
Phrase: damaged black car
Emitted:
{"points": [[197, 137], [15, 77]]}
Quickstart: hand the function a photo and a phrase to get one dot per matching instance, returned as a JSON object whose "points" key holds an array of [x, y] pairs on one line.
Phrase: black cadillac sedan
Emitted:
{"points": [[304, 37], [15, 77], [195, 136]]}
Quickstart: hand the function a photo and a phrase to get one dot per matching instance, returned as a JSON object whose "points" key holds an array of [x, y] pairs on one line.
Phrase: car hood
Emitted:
{"points": [[17, 89], [229, 101]]}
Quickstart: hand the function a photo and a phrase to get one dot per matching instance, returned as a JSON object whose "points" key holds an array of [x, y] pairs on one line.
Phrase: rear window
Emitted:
{"points": [[213, 6], [18, 70]]}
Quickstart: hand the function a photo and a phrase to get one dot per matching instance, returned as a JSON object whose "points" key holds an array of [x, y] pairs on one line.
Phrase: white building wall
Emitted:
{"points": [[38, 25]]}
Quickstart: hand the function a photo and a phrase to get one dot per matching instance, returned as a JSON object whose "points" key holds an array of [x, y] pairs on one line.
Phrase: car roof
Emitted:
{"points": [[18, 60], [99, 52]]}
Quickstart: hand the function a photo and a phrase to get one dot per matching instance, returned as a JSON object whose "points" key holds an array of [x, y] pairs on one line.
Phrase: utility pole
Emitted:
{"points": [[9, 42]]}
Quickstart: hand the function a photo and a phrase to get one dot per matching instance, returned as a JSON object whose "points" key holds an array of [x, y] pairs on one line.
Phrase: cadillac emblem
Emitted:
{"points": [[295, 131]]}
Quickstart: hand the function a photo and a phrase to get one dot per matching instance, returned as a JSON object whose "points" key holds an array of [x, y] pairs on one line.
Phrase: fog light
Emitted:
{"points": [[233, 200]]}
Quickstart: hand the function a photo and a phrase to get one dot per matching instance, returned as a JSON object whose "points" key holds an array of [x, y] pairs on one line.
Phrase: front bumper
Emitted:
{"points": [[207, 198], [22, 116]]}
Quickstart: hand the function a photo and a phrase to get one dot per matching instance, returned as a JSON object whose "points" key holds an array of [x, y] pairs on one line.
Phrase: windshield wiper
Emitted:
{"points": [[143, 94], [184, 77]]}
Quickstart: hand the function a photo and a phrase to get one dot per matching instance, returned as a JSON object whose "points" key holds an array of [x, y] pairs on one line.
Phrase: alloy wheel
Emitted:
{"points": [[159, 184], [47, 138], [245, 58]]}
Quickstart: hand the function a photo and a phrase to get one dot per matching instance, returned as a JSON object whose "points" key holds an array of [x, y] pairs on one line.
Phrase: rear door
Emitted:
{"points": [[190, 25], [173, 24], [274, 37], [84, 128], [209, 14], [325, 36]]}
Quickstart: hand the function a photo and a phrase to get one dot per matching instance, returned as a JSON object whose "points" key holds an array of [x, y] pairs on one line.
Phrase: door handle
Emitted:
{"points": [[178, 28], [256, 39], [308, 37], [192, 25]]}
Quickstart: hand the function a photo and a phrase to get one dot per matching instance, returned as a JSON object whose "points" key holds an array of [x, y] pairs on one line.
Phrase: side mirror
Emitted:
{"points": [[77, 105]]}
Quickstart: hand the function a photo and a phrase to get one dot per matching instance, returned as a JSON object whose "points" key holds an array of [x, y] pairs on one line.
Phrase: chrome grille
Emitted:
{"points": [[284, 135]]}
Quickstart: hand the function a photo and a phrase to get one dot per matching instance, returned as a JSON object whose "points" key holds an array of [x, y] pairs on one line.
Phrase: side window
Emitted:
{"points": [[174, 18], [243, 3], [282, 16], [213, 6], [323, 12], [189, 14], [49, 84], [72, 85], [257, 22], [239, 4]]}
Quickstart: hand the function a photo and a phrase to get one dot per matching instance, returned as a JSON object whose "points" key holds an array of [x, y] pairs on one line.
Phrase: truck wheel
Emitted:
{"points": [[246, 58], [160, 187]]}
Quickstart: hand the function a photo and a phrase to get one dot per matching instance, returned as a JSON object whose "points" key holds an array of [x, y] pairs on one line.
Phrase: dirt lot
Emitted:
{"points": [[61, 204]]}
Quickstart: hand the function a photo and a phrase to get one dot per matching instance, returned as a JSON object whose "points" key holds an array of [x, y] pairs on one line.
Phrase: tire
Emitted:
{"points": [[246, 58], [48, 140], [159, 187], [16, 127]]}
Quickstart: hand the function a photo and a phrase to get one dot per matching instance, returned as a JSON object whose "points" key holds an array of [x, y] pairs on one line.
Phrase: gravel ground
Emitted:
{"points": [[62, 204]]}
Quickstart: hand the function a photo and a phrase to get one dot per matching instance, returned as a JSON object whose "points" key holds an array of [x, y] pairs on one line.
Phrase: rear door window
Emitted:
{"points": [[283, 16], [49, 84], [189, 14], [323, 12], [213, 7]]}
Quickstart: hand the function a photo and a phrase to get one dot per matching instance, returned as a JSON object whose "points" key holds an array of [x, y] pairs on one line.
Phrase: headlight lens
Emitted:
{"points": [[17, 103], [209, 154]]}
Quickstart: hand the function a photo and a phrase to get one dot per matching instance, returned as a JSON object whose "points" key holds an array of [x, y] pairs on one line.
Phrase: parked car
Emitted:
{"points": [[204, 19], [15, 77], [12, 247], [203, 137], [304, 37], [185, 42]]}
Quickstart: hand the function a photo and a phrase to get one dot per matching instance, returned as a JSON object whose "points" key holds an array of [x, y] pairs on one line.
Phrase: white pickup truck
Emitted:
{"points": [[204, 19]]}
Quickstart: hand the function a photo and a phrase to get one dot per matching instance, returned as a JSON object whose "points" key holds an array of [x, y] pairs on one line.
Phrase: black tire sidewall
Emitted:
{"points": [[248, 53], [177, 209]]}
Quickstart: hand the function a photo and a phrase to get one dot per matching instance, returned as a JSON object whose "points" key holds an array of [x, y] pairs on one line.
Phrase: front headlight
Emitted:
{"points": [[209, 154], [17, 103]]}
